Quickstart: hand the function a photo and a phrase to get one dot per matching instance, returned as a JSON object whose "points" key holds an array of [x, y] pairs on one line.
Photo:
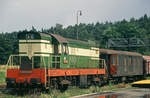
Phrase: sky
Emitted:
{"points": [[18, 15]]}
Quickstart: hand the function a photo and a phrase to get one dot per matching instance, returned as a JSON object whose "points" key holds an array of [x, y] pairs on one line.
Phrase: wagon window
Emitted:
{"points": [[132, 60], [129, 60], [125, 63], [139, 59], [122, 60], [136, 59], [138, 63], [117, 60]]}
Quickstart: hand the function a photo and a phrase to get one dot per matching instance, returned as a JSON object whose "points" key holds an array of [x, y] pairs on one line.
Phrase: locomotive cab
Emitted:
{"points": [[60, 56]]}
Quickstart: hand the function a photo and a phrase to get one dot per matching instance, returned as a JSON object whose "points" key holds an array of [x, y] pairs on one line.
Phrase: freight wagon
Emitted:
{"points": [[123, 65]]}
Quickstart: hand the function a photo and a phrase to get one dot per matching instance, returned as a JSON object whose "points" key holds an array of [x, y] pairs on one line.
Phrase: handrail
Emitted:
{"points": [[14, 61], [105, 66], [10, 60]]}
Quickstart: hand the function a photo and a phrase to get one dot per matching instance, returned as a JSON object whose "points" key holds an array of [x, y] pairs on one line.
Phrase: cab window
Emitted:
{"points": [[37, 61], [65, 49]]}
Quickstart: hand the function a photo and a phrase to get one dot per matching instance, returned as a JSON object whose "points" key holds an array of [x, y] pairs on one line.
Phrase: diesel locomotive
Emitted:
{"points": [[50, 60]]}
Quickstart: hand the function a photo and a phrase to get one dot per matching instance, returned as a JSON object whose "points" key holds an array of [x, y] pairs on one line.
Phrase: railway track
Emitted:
{"points": [[125, 93], [19, 92], [4, 90]]}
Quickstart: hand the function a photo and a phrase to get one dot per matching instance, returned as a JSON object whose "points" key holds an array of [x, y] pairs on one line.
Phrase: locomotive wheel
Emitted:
{"points": [[63, 87], [8, 85], [98, 83]]}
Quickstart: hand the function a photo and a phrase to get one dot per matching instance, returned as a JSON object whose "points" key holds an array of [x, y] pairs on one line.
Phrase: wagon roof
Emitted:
{"points": [[145, 57], [107, 51]]}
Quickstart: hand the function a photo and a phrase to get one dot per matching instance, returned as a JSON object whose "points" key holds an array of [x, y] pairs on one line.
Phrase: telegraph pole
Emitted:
{"points": [[79, 13]]}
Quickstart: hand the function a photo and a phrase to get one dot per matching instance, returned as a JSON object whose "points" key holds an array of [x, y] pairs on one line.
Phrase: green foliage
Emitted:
{"points": [[2, 75], [99, 32], [110, 85], [8, 45]]}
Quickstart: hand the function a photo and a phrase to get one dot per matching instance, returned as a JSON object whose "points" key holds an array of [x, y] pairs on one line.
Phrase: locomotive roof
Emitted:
{"points": [[79, 42], [37, 35], [47, 36], [69, 40], [108, 51], [72, 41], [59, 38]]}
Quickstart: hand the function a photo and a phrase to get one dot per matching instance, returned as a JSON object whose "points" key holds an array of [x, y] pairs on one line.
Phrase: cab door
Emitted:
{"points": [[56, 55], [113, 64], [65, 56]]}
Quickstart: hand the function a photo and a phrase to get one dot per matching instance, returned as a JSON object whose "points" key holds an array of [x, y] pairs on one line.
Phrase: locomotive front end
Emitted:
{"points": [[24, 78], [29, 66]]}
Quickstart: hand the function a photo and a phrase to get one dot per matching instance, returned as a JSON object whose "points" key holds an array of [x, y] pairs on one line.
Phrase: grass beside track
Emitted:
{"points": [[71, 91], [3, 69], [74, 91], [2, 74]]}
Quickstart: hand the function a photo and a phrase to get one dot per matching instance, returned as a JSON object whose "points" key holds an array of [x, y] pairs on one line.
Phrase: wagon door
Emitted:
{"points": [[113, 64]]}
